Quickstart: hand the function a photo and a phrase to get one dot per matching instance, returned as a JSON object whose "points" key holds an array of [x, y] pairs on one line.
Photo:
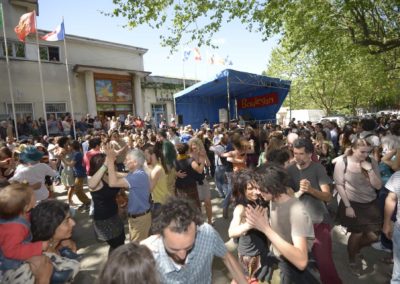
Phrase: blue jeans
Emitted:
{"points": [[220, 180], [228, 194], [396, 254]]}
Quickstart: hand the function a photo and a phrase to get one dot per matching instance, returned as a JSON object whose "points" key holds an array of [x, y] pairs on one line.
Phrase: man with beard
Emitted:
{"points": [[184, 246], [312, 186]]}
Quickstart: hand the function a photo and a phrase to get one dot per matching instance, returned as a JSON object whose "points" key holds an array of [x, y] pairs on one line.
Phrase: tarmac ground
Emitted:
{"points": [[94, 252]]}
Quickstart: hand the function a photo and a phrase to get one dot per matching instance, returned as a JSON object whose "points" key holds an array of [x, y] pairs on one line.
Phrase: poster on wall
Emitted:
{"points": [[123, 91], [104, 91]]}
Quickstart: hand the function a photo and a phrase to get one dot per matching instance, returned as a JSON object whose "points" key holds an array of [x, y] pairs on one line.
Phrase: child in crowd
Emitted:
{"points": [[21, 261]]}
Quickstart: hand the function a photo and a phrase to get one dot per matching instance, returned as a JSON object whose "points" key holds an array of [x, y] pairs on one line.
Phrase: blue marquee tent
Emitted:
{"points": [[243, 94]]}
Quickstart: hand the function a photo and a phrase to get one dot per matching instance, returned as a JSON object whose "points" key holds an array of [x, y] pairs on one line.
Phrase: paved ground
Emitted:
{"points": [[95, 252]]}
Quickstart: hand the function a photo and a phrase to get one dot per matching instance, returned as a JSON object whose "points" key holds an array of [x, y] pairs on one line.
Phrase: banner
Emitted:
{"points": [[259, 101]]}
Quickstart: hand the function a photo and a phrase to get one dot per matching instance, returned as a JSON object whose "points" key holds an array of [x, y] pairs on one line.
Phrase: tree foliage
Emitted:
{"points": [[371, 23], [340, 54]]}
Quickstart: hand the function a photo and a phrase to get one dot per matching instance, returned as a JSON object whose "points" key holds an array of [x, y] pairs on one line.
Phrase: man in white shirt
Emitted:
{"points": [[33, 172]]}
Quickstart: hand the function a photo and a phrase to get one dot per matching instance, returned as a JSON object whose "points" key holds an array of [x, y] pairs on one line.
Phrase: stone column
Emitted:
{"points": [[138, 98], [90, 93]]}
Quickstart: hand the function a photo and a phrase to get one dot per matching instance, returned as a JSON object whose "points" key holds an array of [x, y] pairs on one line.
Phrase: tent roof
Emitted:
{"points": [[241, 84]]}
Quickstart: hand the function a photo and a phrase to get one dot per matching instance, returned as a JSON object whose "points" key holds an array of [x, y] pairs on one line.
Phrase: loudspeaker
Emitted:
{"points": [[180, 119]]}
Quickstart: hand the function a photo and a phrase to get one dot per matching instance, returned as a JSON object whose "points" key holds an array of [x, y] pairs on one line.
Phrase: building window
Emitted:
{"points": [[158, 112], [56, 109], [15, 49], [22, 110], [50, 53]]}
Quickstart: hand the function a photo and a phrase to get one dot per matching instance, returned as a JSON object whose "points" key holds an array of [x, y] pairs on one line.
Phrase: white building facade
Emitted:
{"points": [[106, 78]]}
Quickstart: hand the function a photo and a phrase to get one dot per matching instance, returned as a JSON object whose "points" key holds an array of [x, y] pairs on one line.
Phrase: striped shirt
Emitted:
{"points": [[198, 266]]}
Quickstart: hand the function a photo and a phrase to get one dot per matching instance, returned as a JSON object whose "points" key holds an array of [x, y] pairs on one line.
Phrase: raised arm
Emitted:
{"points": [[94, 182], [113, 179]]}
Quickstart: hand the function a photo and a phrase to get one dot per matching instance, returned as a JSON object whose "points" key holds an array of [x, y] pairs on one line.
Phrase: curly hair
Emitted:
{"points": [[240, 181], [177, 214], [182, 148], [130, 263], [46, 217], [274, 180]]}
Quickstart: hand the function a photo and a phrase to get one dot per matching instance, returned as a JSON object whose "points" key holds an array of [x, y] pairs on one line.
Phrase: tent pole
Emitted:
{"points": [[236, 109], [229, 101], [290, 106]]}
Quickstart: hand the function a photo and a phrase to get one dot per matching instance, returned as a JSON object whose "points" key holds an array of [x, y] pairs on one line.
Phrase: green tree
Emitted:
{"points": [[370, 23], [339, 54]]}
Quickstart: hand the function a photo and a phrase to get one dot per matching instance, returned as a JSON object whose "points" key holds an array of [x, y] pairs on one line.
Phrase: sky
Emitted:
{"points": [[246, 50]]}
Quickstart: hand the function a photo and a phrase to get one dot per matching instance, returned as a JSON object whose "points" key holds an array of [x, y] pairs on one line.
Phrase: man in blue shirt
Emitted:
{"points": [[185, 246], [138, 184]]}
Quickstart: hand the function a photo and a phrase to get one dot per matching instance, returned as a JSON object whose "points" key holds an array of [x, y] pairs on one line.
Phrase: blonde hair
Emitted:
{"points": [[196, 141], [13, 200]]}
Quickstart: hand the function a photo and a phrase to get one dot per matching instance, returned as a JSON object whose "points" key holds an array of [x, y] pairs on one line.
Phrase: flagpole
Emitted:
{"points": [[41, 76], [69, 81], [9, 74], [183, 73]]}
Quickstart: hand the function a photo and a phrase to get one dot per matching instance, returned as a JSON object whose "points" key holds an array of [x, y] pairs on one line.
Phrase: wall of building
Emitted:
{"points": [[93, 58]]}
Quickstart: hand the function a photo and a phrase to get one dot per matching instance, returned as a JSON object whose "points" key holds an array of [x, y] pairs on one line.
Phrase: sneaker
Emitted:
{"points": [[378, 246]]}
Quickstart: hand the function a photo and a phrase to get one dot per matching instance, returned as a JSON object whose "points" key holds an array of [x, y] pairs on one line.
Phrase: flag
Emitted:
{"points": [[197, 55], [57, 34], [186, 54], [26, 25], [1, 15]]}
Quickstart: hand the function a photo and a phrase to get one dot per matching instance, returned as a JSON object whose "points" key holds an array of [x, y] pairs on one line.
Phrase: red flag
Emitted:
{"points": [[26, 25]]}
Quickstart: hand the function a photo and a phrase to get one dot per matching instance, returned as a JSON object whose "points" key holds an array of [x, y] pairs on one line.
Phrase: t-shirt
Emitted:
{"points": [[50, 149], [393, 185], [198, 266], [52, 126], [139, 192], [357, 186], [34, 174], [317, 176], [290, 219]]}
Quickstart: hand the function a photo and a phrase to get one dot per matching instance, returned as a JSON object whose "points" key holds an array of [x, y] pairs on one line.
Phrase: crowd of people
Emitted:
{"points": [[281, 182]]}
